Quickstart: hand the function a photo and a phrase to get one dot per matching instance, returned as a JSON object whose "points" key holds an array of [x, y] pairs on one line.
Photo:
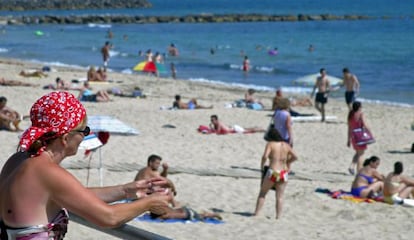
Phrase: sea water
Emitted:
{"points": [[379, 51]]}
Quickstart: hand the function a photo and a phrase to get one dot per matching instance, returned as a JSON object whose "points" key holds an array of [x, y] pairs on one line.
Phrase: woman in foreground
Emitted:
{"points": [[281, 157], [35, 191]]}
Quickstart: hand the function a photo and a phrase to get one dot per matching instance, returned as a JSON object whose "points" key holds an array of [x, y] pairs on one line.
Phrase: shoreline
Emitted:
{"points": [[321, 147], [294, 90]]}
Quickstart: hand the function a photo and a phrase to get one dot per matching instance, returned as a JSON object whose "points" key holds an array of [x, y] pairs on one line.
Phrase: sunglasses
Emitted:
{"points": [[85, 131]]}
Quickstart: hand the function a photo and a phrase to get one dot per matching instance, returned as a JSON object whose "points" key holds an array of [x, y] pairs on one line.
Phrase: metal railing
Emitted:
{"points": [[123, 232]]}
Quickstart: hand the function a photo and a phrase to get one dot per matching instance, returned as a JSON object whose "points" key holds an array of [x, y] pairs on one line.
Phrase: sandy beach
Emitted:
{"points": [[195, 158]]}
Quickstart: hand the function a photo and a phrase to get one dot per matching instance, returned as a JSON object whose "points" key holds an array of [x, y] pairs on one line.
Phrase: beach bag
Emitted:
{"points": [[362, 136]]}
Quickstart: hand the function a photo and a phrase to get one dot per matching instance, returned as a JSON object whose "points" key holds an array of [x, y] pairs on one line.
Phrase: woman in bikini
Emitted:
{"points": [[35, 191], [281, 157], [368, 182], [398, 187]]}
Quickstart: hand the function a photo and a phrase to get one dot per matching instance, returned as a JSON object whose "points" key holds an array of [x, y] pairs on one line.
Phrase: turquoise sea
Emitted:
{"points": [[379, 51]]}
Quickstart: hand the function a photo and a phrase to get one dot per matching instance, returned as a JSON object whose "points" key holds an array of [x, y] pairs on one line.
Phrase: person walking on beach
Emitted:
{"points": [[105, 53], [246, 64], [356, 121], [281, 156], [36, 192], [323, 86], [351, 84]]}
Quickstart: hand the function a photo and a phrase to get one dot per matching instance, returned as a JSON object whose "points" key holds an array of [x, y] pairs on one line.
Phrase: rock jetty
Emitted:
{"points": [[26, 5], [204, 18]]}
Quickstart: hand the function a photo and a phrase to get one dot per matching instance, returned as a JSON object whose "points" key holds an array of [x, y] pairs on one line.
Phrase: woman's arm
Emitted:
{"points": [[378, 175], [132, 190], [349, 134], [289, 129], [291, 157], [364, 123], [66, 191], [408, 181], [265, 156]]}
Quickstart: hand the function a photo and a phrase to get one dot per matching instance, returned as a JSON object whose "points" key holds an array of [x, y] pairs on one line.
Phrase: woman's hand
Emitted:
{"points": [[143, 188]]}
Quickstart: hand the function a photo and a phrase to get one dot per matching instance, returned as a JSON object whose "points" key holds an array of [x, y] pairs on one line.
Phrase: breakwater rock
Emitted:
{"points": [[25, 5], [204, 18]]}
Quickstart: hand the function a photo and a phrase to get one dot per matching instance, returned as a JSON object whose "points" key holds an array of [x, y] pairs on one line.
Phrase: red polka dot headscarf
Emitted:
{"points": [[58, 112]]}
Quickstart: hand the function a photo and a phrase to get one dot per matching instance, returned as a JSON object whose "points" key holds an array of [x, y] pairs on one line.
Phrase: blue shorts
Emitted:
{"points": [[349, 97], [357, 191]]}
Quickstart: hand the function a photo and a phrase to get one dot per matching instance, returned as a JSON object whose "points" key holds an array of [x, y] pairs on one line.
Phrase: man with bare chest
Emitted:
{"points": [[351, 84], [323, 86]]}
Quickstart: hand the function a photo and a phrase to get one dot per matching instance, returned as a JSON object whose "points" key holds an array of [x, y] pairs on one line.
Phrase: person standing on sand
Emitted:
{"points": [[323, 86], [281, 156], [351, 84], [36, 193], [105, 53], [356, 120]]}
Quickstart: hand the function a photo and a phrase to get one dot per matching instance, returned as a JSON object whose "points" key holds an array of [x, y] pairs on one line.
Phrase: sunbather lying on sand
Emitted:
{"points": [[221, 128], [185, 213], [192, 104], [12, 83]]}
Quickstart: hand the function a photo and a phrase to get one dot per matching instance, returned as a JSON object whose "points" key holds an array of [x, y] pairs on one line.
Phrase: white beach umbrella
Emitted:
{"points": [[109, 124], [310, 80]]}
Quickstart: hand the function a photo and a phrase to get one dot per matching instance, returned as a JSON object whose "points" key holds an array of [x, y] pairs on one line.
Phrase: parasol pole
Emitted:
{"points": [[100, 167]]}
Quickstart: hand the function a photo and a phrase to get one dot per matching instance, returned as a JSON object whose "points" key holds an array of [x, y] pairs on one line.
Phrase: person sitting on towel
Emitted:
{"points": [[398, 187], [152, 170], [368, 182], [86, 94]]}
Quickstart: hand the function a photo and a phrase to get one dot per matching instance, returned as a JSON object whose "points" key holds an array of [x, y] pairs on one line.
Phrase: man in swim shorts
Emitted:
{"points": [[322, 84], [351, 84], [105, 53]]}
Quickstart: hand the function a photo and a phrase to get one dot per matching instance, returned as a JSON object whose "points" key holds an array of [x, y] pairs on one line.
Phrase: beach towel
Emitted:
{"points": [[147, 218], [254, 106], [345, 195]]}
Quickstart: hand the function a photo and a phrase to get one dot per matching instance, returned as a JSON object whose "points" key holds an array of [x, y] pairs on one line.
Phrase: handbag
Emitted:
{"points": [[362, 136]]}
